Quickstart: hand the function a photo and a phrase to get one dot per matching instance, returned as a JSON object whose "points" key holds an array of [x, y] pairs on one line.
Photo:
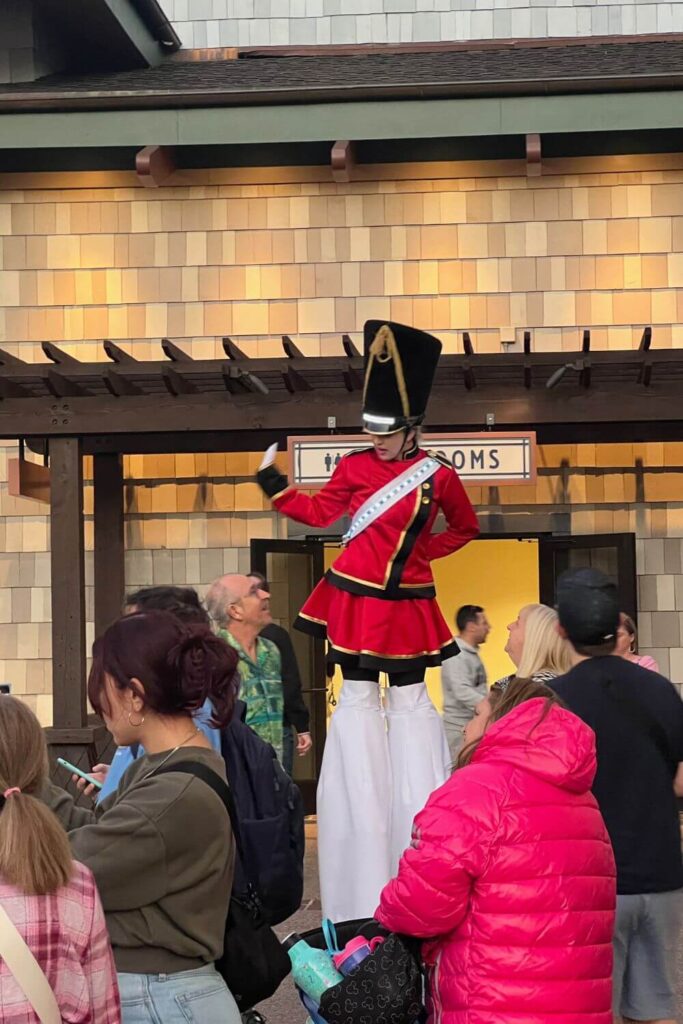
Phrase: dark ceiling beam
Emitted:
{"points": [[294, 381], [353, 381], [309, 411], [12, 389], [118, 385], [64, 387], [176, 383]]}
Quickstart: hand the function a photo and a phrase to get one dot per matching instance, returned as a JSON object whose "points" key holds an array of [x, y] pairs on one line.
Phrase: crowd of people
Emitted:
{"points": [[545, 874]]}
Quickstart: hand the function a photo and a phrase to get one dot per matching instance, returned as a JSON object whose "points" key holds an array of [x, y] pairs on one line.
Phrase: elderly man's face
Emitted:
{"points": [[253, 606]]}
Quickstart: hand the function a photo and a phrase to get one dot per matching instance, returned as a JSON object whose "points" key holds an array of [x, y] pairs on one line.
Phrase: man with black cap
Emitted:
{"points": [[376, 608], [637, 717]]}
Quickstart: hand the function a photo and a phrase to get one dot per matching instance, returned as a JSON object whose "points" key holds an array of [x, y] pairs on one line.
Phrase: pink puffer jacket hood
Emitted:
{"points": [[511, 878]]}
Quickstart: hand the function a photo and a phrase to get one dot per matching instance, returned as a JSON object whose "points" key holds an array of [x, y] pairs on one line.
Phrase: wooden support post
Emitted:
{"points": [[109, 542], [68, 584]]}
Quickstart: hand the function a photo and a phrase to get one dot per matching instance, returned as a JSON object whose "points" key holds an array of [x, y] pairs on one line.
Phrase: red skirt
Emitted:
{"points": [[376, 633]]}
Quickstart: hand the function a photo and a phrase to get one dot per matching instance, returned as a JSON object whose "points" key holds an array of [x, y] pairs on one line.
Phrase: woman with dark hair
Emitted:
{"points": [[161, 847], [510, 874], [627, 644]]}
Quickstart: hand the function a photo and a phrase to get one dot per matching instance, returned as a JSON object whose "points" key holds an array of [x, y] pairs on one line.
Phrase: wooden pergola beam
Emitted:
{"points": [[232, 351]]}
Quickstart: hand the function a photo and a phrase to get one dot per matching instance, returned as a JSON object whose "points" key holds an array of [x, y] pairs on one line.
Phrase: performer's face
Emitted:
{"points": [[389, 446]]}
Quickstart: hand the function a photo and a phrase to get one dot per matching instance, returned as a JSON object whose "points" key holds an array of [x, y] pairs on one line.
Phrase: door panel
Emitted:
{"points": [[293, 568], [614, 554]]}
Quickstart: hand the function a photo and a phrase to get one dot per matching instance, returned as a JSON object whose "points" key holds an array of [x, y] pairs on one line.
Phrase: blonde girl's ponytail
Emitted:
{"points": [[34, 850]]}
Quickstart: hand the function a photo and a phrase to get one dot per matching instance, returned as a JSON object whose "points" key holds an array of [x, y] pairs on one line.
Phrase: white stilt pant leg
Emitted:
{"points": [[354, 805], [420, 758]]}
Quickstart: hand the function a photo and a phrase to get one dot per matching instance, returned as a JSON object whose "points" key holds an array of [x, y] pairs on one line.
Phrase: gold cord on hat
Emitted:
{"points": [[384, 349]]}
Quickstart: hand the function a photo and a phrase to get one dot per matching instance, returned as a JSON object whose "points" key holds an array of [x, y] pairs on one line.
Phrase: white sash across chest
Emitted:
{"points": [[384, 499]]}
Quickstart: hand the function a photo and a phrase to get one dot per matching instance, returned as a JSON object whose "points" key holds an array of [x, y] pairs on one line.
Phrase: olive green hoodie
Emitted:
{"points": [[162, 853]]}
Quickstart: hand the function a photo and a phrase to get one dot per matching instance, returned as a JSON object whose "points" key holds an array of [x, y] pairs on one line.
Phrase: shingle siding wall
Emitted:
{"points": [[202, 23]]}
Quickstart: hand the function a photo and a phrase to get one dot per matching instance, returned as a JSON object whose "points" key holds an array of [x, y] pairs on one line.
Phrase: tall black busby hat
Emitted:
{"points": [[400, 363]]}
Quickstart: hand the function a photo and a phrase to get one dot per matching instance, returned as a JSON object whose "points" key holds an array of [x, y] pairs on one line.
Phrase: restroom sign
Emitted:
{"points": [[485, 458]]}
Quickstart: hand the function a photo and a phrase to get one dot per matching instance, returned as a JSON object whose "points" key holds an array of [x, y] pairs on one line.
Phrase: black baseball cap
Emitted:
{"points": [[588, 607]]}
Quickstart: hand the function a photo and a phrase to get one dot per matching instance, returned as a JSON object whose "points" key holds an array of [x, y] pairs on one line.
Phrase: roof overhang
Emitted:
{"points": [[108, 34], [320, 122]]}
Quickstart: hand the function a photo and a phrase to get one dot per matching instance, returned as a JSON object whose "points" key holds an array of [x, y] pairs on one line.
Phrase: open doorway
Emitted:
{"points": [[499, 573]]}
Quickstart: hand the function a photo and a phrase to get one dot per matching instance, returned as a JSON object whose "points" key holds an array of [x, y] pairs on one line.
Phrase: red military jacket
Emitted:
{"points": [[392, 556]]}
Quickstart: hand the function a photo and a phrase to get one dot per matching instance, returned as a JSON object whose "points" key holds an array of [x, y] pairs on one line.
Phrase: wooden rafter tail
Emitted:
{"points": [[645, 371], [176, 384], [116, 354], [62, 386], [585, 373], [175, 354], [12, 389], [58, 355], [118, 385], [7, 359], [343, 160], [352, 379], [349, 347], [467, 371], [154, 165], [233, 352], [295, 382], [527, 366], [291, 350], [534, 156]]}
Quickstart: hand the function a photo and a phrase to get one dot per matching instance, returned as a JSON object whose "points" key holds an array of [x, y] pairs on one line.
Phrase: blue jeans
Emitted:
{"points": [[189, 997], [288, 749]]}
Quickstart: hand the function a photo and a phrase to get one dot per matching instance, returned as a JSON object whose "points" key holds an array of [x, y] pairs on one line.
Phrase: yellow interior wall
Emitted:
{"points": [[499, 575]]}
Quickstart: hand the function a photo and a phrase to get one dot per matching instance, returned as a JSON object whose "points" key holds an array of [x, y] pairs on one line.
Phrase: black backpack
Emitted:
{"points": [[271, 819], [253, 963]]}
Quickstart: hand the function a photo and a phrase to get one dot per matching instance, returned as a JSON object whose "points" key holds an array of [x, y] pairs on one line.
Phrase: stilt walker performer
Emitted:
{"points": [[377, 609]]}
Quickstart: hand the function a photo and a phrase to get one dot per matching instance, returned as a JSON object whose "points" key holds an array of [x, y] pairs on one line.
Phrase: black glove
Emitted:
{"points": [[271, 481]]}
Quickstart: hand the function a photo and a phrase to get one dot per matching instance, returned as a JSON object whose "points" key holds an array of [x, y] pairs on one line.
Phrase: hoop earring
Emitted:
{"points": [[135, 725]]}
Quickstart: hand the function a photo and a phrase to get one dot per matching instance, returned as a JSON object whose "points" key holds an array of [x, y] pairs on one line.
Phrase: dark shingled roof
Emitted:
{"points": [[520, 68]]}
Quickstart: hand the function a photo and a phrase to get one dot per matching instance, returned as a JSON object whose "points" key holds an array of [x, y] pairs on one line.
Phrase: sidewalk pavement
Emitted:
{"points": [[285, 1007]]}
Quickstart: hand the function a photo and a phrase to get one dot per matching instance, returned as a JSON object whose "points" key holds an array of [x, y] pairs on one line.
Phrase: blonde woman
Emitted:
{"points": [[535, 646], [50, 899]]}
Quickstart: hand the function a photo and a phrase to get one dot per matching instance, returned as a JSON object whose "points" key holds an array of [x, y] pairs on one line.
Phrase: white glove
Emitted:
{"points": [[269, 456]]}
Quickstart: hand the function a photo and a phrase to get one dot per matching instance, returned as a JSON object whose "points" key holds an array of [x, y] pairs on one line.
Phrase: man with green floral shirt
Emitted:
{"points": [[240, 609]]}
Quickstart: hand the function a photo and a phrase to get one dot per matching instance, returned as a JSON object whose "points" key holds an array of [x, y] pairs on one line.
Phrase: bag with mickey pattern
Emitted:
{"points": [[385, 988]]}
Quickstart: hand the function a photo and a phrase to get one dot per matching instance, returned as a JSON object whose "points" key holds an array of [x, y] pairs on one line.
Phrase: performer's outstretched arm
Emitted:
{"points": [[321, 509], [463, 525]]}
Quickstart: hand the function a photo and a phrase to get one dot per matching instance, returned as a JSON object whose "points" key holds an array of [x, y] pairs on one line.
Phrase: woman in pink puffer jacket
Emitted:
{"points": [[510, 873]]}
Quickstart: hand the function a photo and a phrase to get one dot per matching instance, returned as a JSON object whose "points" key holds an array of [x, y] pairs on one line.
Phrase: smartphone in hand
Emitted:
{"points": [[81, 774]]}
